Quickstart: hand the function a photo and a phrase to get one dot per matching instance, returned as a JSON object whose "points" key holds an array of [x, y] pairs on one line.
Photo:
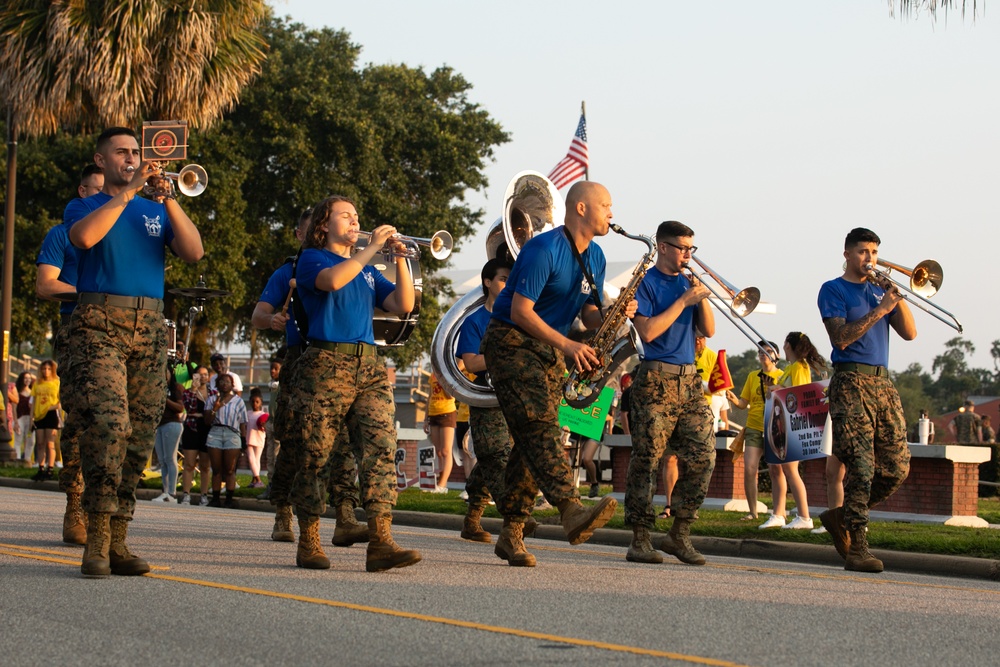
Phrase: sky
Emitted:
{"points": [[771, 129]]}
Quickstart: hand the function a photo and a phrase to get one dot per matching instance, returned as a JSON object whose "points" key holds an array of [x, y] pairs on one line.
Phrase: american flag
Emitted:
{"points": [[574, 165]]}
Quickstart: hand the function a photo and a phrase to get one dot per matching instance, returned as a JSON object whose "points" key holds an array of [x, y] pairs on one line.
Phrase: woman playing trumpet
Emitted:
{"points": [[341, 382]]}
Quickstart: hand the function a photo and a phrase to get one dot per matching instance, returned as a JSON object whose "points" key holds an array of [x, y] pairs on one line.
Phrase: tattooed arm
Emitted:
{"points": [[842, 333]]}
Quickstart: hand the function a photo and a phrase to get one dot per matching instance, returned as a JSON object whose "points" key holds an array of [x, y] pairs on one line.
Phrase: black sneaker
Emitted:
{"points": [[39, 476], [594, 491]]}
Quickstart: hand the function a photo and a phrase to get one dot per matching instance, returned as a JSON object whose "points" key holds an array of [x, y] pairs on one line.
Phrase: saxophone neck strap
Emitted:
{"points": [[586, 273]]}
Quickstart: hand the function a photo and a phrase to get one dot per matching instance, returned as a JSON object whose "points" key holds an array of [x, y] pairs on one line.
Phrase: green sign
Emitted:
{"points": [[588, 421]]}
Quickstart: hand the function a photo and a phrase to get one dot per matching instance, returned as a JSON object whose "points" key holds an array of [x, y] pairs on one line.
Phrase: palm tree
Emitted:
{"points": [[71, 63]]}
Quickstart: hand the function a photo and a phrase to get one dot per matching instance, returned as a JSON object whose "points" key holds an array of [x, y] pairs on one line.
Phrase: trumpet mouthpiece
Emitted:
{"points": [[130, 169]]}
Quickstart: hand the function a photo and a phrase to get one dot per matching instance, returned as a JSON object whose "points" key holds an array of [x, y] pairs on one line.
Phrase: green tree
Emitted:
{"points": [[405, 144], [913, 386], [955, 380]]}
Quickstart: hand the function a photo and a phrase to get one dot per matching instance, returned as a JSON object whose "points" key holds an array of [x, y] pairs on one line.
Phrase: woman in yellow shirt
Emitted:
{"points": [[45, 412], [804, 361], [440, 425], [752, 399]]}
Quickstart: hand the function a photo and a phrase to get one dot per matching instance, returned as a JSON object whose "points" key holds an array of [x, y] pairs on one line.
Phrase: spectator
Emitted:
{"points": [[256, 423], [23, 426], [226, 414], [440, 424], [989, 435], [272, 445], [752, 399], [966, 426], [220, 366], [46, 413], [168, 437], [194, 437]]}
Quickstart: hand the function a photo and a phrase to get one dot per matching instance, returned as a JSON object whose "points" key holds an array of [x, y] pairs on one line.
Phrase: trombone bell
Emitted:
{"points": [[925, 278]]}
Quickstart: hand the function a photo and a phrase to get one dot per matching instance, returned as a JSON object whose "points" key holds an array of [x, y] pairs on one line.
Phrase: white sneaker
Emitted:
{"points": [[163, 498], [773, 521], [464, 495], [440, 489], [185, 499], [799, 523], [818, 531], [204, 500]]}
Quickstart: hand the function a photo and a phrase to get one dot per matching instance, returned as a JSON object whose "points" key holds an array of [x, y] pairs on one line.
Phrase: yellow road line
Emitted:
{"points": [[526, 634], [35, 550]]}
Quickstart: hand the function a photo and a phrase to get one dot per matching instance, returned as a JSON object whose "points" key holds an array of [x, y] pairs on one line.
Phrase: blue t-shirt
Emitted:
{"points": [[470, 336], [57, 251], [275, 293], [129, 260], [343, 316], [656, 293], [547, 273], [852, 301]]}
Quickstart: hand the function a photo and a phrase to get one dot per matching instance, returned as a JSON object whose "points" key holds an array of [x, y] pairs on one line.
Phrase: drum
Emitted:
{"points": [[393, 330], [171, 328]]}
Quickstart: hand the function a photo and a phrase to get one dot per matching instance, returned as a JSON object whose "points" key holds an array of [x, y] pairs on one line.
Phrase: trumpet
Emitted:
{"points": [[925, 281], [191, 181], [740, 302], [440, 245]]}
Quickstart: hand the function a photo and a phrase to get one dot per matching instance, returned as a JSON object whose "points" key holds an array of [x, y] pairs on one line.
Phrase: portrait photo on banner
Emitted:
{"points": [[796, 419]]}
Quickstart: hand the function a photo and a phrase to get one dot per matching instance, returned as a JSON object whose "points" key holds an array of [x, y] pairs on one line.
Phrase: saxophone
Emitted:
{"points": [[612, 347]]}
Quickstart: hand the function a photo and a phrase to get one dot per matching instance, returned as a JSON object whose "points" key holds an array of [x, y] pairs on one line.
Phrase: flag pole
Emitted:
{"points": [[583, 112]]}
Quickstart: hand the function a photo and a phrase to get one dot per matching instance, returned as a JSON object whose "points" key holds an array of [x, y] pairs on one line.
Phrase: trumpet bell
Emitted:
{"points": [[192, 180], [441, 244]]}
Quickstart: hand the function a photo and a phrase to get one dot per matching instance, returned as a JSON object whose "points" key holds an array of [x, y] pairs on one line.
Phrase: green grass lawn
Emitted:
{"points": [[918, 538]]}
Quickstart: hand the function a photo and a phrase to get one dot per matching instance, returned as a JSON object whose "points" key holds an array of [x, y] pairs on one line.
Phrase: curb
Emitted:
{"points": [[895, 561]]}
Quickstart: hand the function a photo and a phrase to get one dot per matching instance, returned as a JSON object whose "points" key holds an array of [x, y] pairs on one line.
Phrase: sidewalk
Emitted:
{"points": [[895, 561]]}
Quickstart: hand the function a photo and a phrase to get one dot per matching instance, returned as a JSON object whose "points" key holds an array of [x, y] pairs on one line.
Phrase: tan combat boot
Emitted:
{"points": [[641, 550], [96, 559], [124, 562], [859, 559], [510, 545], [348, 531], [678, 543], [580, 522], [833, 521], [310, 553], [74, 527], [383, 552], [529, 526], [472, 529], [282, 531]]}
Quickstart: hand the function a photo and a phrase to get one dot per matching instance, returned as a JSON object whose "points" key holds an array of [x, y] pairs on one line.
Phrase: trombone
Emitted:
{"points": [[440, 245], [925, 281], [740, 302]]}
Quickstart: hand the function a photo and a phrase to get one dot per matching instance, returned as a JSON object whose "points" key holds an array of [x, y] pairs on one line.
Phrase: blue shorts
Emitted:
{"points": [[221, 437]]}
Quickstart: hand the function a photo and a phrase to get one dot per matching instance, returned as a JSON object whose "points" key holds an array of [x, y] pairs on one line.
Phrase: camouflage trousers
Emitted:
{"points": [[492, 443], [528, 378], [869, 438], [668, 410], [116, 375], [341, 471], [333, 392], [71, 475]]}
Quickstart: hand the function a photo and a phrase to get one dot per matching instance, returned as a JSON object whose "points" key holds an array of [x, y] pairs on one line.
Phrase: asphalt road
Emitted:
{"points": [[223, 593]]}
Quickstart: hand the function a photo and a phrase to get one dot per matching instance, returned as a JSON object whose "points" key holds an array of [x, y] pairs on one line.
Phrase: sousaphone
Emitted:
{"points": [[532, 205]]}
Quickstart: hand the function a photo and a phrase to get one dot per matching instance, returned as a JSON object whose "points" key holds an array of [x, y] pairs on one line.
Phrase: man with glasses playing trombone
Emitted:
{"points": [[668, 401], [869, 431]]}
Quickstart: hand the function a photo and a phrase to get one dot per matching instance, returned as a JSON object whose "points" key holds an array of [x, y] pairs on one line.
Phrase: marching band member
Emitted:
{"points": [[271, 313], [869, 431], [341, 383], [556, 274], [118, 354], [668, 401]]}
